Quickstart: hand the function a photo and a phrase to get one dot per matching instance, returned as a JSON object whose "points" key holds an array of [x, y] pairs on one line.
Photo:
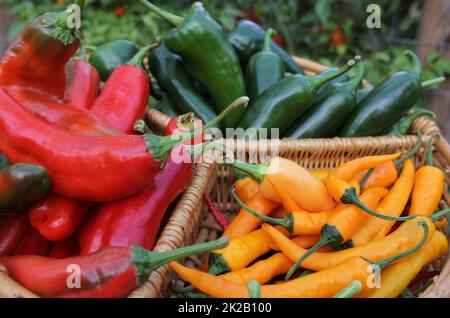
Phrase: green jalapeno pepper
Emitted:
{"points": [[340, 79], [167, 107], [387, 102], [248, 38], [284, 102], [329, 110], [264, 69], [107, 57], [21, 184], [362, 93], [403, 126], [169, 71], [207, 55]]}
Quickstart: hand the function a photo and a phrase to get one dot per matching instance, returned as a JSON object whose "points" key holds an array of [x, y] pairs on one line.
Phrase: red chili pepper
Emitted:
{"points": [[65, 249], [183, 123], [136, 220], [38, 54], [111, 272], [33, 243], [218, 215], [57, 217], [83, 82], [11, 233], [278, 38], [338, 37], [125, 95], [119, 11]]}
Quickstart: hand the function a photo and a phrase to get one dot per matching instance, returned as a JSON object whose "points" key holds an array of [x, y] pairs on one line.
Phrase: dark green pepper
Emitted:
{"points": [[107, 57], [167, 107], [403, 126], [169, 71], [386, 103], [284, 102], [248, 38], [4, 162], [362, 93], [340, 79], [329, 110], [264, 69], [208, 57], [21, 184]]}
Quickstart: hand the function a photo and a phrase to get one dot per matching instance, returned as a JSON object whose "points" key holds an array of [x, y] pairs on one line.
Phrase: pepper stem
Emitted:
{"points": [[146, 261], [399, 162], [395, 258], [140, 55], [356, 80], [268, 40], [257, 171], [141, 127], [166, 15], [436, 216], [350, 197], [433, 81], [430, 150], [366, 177], [350, 290], [404, 125], [323, 242], [416, 64], [315, 82], [254, 289], [286, 222]]}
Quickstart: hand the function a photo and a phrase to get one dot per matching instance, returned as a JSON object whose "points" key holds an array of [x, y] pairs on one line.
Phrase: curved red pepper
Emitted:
{"points": [[33, 243], [88, 168], [83, 82], [11, 233], [65, 249], [137, 219], [111, 272]]}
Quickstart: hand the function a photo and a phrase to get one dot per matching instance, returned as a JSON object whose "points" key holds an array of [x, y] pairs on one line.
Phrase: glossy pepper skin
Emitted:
{"points": [[264, 69], [124, 96], [248, 38], [173, 78], [208, 57], [107, 57], [328, 111], [136, 220], [21, 184], [11, 232], [385, 104], [340, 79], [36, 58], [83, 82], [284, 102], [110, 273], [94, 169]]}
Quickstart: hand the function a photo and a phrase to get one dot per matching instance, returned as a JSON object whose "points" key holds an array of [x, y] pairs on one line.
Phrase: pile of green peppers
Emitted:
{"points": [[198, 68]]}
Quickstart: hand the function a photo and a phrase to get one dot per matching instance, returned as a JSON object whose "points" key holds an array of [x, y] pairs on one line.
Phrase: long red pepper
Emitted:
{"points": [[111, 272], [137, 219], [11, 232], [216, 212], [121, 103], [83, 82], [33, 243]]}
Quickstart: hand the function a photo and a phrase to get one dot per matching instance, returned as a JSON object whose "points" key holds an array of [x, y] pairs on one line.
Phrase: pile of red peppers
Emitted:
{"points": [[110, 187]]}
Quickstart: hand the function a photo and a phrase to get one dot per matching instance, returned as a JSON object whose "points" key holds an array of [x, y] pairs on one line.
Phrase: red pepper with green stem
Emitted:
{"points": [[136, 220], [11, 233], [38, 54], [111, 272], [102, 168]]}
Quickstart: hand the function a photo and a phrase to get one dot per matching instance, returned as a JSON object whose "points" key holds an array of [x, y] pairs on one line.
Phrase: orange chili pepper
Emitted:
{"points": [[314, 195], [428, 186], [392, 205], [342, 225], [286, 200], [321, 174], [306, 241], [405, 237], [246, 188]]}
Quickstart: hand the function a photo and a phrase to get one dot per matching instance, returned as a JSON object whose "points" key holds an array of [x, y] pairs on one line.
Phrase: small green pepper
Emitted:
{"points": [[248, 38], [282, 103], [207, 55], [329, 110], [167, 107], [107, 57], [362, 93], [387, 102], [403, 126], [169, 71], [264, 69], [21, 184], [340, 79]]}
